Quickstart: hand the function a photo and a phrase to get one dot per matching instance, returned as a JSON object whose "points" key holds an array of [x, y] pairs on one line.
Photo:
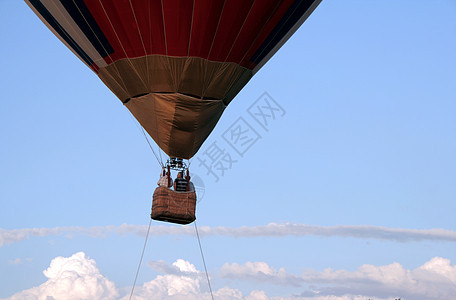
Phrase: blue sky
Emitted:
{"points": [[349, 194]]}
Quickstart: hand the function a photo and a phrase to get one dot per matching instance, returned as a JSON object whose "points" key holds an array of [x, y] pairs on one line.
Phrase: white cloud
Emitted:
{"points": [[180, 267], [331, 297], [181, 281], [259, 271], [15, 261], [270, 230], [257, 295], [71, 278], [18, 261], [436, 279], [77, 277]]}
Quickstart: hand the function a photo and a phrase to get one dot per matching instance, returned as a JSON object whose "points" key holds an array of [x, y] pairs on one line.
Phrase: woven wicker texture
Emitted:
{"points": [[174, 207]]}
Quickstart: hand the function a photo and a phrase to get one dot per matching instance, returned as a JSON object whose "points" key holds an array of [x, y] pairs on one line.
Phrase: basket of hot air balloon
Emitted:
{"points": [[172, 206]]}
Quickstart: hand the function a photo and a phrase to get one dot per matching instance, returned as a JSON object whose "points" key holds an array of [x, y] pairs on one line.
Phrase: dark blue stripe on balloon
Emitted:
{"points": [[291, 17], [83, 18], [60, 31]]}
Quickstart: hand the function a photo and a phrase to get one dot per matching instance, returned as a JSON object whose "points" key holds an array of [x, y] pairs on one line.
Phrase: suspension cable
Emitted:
{"points": [[159, 160], [140, 260], [204, 262]]}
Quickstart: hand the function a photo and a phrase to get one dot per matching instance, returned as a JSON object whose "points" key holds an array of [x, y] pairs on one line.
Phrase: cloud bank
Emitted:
{"points": [[270, 230], [436, 279], [71, 278], [77, 277]]}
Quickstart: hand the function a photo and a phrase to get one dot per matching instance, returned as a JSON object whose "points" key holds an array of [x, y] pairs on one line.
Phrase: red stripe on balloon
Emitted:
{"points": [[205, 22], [230, 31]]}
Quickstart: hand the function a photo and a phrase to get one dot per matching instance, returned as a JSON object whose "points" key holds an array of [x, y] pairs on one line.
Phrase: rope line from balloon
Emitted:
{"points": [[140, 260], [159, 160], [148, 142], [204, 262]]}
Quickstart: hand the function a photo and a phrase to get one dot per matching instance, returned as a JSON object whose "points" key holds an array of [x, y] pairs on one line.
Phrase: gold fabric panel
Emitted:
{"points": [[194, 76], [178, 100], [178, 123]]}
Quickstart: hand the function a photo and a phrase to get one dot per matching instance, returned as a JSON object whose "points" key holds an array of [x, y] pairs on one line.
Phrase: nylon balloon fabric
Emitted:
{"points": [[175, 64]]}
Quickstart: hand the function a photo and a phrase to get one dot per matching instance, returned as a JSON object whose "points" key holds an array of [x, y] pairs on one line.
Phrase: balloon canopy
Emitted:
{"points": [[175, 64]]}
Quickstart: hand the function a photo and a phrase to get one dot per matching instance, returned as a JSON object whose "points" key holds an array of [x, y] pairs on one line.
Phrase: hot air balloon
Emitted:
{"points": [[175, 64]]}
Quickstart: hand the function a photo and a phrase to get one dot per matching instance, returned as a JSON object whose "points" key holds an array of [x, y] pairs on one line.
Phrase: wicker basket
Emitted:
{"points": [[174, 207]]}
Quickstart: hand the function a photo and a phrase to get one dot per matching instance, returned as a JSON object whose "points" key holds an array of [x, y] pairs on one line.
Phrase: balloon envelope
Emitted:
{"points": [[175, 64]]}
